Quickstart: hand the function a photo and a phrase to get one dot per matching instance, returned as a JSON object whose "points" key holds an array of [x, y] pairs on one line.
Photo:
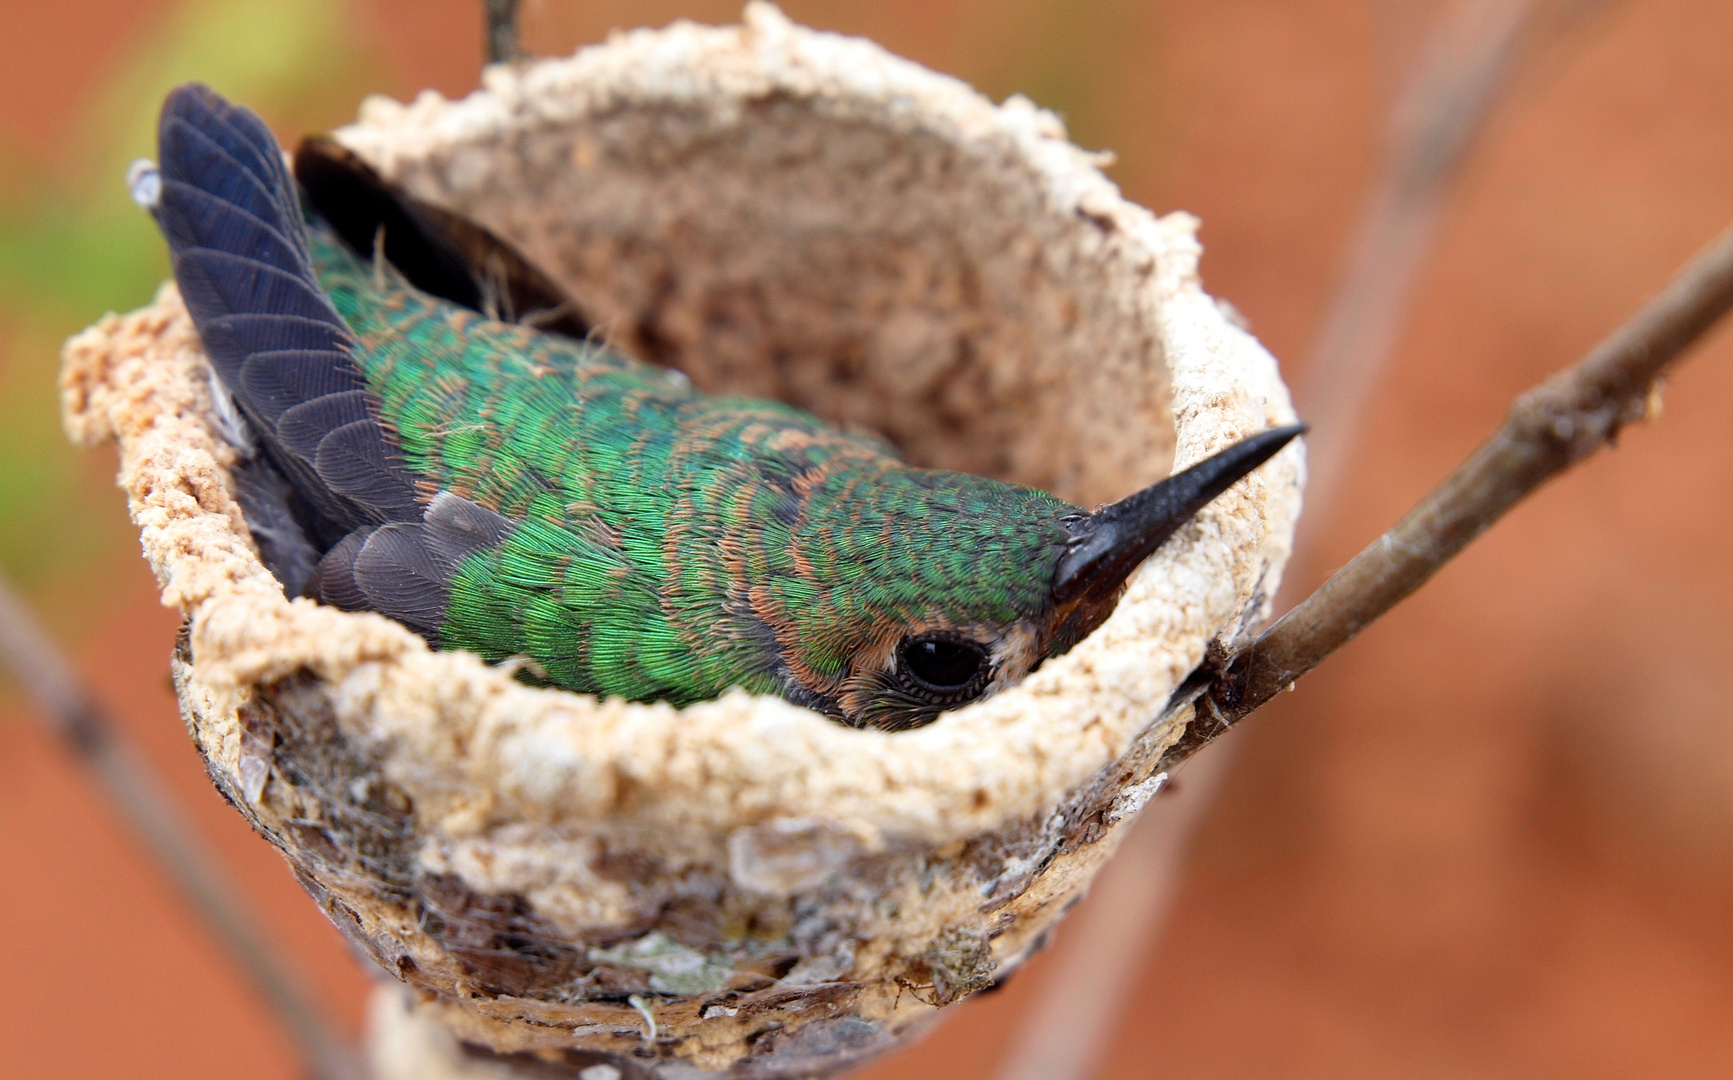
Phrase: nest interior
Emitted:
{"points": [[739, 885], [799, 246]]}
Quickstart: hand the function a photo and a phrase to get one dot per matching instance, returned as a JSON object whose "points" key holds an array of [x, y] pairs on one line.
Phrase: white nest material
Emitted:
{"points": [[774, 211]]}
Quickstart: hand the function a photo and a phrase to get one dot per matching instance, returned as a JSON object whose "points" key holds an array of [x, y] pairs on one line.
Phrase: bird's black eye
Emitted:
{"points": [[944, 665]]}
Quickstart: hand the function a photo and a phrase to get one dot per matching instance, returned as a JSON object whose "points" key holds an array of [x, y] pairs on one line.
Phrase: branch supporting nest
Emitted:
{"points": [[1549, 428]]}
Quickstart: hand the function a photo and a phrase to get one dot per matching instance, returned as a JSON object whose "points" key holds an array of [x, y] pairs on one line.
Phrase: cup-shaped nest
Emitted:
{"points": [[742, 884]]}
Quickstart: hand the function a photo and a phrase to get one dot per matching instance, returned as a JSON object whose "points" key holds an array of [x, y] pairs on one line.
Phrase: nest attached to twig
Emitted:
{"points": [[741, 884]]}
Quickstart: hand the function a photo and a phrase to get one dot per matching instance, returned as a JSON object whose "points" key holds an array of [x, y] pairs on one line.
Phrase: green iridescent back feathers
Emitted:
{"points": [[672, 544], [534, 495]]}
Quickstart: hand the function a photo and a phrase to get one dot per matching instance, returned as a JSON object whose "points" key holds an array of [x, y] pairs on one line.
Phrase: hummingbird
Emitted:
{"points": [[436, 437]]}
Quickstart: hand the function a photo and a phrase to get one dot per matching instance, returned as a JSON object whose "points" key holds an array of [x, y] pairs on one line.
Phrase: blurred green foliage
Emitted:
{"points": [[72, 246]]}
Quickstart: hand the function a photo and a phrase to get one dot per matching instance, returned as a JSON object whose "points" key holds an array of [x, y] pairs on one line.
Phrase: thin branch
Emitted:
{"points": [[1550, 428], [71, 715], [500, 31]]}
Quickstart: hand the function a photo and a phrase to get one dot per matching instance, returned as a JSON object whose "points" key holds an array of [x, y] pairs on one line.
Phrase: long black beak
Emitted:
{"points": [[1109, 544]]}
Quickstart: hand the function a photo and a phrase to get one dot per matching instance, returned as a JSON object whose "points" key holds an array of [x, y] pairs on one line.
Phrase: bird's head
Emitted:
{"points": [[938, 589]]}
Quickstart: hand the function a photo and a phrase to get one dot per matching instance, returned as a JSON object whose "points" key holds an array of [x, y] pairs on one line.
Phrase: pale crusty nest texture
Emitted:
{"points": [[775, 211]]}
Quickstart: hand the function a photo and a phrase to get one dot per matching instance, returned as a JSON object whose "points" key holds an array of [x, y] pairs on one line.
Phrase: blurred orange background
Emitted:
{"points": [[1493, 837]]}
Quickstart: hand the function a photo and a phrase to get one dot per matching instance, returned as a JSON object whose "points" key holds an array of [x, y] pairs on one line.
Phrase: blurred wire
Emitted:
{"points": [[1460, 76], [69, 713], [1067, 1030], [500, 31], [1465, 65]]}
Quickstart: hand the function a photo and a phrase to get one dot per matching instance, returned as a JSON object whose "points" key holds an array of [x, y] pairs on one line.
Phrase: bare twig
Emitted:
{"points": [[1550, 428], [500, 30], [70, 713]]}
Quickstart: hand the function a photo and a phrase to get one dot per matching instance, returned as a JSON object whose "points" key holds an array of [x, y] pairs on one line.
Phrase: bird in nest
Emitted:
{"points": [[521, 490]]}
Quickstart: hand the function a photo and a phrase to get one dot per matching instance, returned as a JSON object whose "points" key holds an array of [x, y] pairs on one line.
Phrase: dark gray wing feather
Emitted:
{"points": [[232, 217], [231, 214], [405, 570]]}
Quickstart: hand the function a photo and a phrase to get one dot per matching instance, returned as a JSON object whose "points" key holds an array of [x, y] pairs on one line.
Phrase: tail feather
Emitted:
{"points": [[232, 217]]}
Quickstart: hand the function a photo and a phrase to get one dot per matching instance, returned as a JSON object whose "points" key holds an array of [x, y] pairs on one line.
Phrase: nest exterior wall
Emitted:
{"points": [[776, 211]]}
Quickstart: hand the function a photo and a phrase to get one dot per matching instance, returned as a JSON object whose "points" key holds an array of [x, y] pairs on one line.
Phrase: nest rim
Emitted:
{"points": [[483, 754]]}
